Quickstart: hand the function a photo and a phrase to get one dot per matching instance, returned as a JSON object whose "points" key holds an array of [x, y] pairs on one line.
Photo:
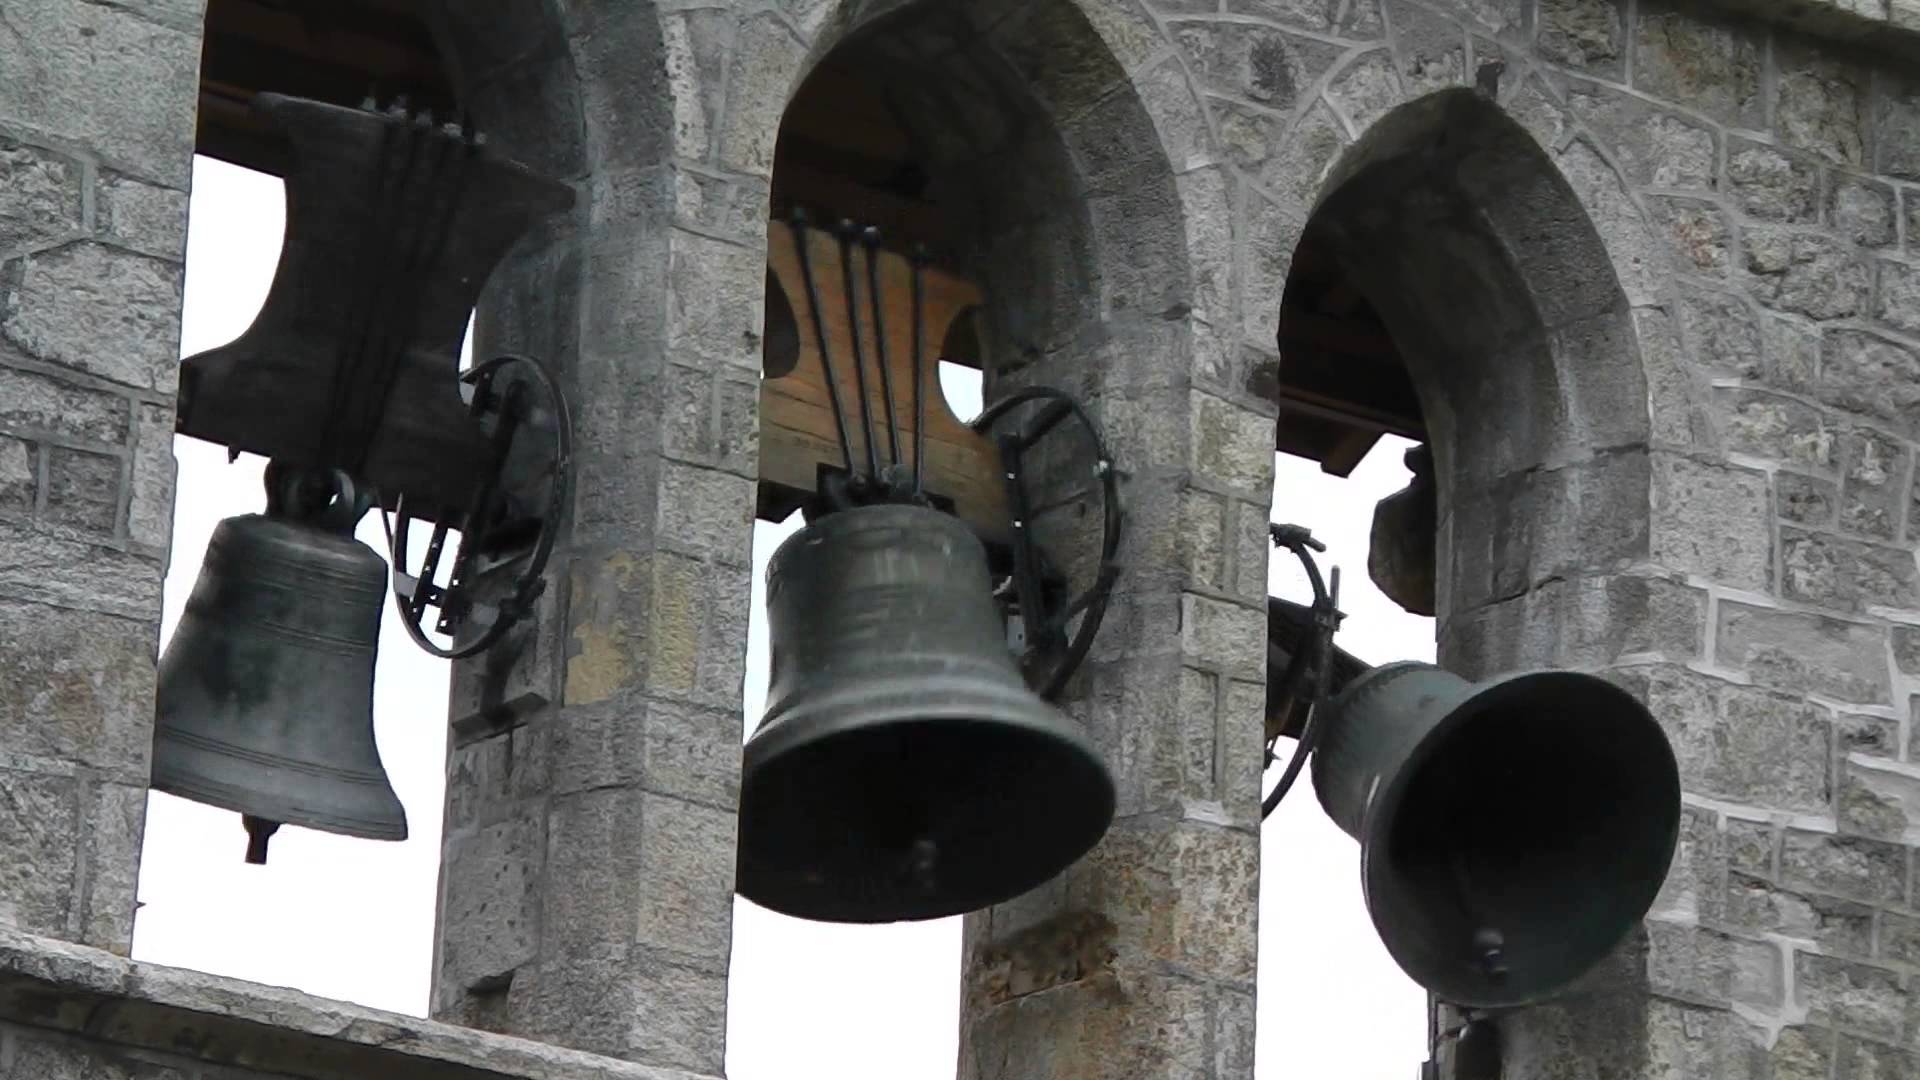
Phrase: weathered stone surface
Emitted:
{"points": [[144, 217], [1773, 185], [19, 475], [1871, 374], [83, 490], [41, 827], [1846, 575], [1864, 211], [1713, 520], [1698, 231], [489, 907], [1726, 336], [1842, 927], [1252, 62], [1710, 66], [1751, 747], [77, 687], [1897, 130], [1821, 103], [1874, 471], [1864, 998], [150, 498], [1228, 635], [71, 58], [1872, 871], [1805, 500], [1775, 426], [1587, 35], [686, 858], [1898, 302], [1432, 50], [39, 197], [1707, 965], [101, 311], [1859, 1059], [1879, 798], [1807, 274]]}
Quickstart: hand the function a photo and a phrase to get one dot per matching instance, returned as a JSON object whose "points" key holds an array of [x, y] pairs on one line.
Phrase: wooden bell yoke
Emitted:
{"points": [[799, 433]]}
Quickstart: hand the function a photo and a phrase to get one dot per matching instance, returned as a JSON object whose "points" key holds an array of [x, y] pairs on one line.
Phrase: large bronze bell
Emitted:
{"points": [[903, 770], [1512, 832], [265, 699]]}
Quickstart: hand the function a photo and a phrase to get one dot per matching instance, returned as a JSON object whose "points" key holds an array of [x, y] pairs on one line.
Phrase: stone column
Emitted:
{"points": [[587, 869], [96, 146]]}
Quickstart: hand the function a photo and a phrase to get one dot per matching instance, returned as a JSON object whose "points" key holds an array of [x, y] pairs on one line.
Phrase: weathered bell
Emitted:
{"points": [[903, 770], [265, 699], [1512, 832]]}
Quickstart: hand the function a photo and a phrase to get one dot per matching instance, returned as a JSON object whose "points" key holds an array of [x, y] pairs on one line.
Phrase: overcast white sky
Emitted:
{"points": [[353, 919]]}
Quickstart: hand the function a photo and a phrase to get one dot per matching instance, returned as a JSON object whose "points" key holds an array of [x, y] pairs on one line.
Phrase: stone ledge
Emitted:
{"points": [[120, 1003], [1888, 26]]}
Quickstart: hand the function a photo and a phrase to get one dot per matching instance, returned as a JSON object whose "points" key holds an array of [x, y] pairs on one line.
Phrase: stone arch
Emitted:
{"points": [[1518, 337], [1507, 307]]}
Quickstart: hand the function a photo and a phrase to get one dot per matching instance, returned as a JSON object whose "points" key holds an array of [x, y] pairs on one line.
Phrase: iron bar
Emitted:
{"points": [[846, 234], [919, 261], [870, 239], [798, 223]]}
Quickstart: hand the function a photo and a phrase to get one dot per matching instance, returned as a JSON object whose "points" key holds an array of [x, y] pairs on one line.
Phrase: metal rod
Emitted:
{"points": [[847, 230], [919, 260], [870, 239], [798, 223]]}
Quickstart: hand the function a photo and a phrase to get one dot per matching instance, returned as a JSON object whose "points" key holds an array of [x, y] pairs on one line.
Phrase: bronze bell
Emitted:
{"points": [[903, 769], [1512, 832], [265, 698]]}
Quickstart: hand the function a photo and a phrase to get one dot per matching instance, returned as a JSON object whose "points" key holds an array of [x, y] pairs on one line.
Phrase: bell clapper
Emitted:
{"points": [[259, 831], [1489, 950]]}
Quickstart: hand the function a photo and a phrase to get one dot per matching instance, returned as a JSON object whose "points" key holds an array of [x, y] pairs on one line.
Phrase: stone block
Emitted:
{"points": [[1726, 335], [1773, 185], [1715, 67], [1586, 35], [1873, 736], [1841, 927], [593, 843], [1796, 652], [1749, 746], [489, 904], [687, 866], [78, 687], [607, 645], [1713, 520], [1750, 846], [1879, 798], [1874, 471], [1864, 211], [1432, 48], [19, 475], [44, 567], [1897, 130], [1774, 426], [1870, 374], [142, 217], [679, 1017], [83, 490], [105, 312], [1801, 1053], [1854, 868], [1157, 727], [1655, 147], [1695, 889], [35, 404], [150, 500], [40, 827], [1906, 649], [1820, 102], [1254, 62], [1229, 636], [1697, 964], [693, 752], [107, 79], [39, 197], [1862, 997], [707, 510], [1859, 1059], [1805, 500], [1698, 231], [1807, 273], [52, 1058], [1232, 445], [1200, 537], [1360, 21], [1846, 575], [1898, 301]]}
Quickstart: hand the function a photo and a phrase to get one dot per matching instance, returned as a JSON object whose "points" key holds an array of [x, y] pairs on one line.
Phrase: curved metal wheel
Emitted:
{"points": [[1051, 655], [514, 519]]}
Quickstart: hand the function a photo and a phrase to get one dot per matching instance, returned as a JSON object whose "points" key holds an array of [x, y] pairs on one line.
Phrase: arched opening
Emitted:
{"points": [[1448, 293], [958, 129], [335, 916]]}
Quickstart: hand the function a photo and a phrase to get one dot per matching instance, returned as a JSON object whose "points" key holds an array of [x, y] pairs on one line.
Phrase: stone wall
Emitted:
{"points": [[96, 143]]}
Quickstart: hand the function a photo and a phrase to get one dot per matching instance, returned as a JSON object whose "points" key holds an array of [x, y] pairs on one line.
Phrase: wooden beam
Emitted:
{"points": [[798, 434]]}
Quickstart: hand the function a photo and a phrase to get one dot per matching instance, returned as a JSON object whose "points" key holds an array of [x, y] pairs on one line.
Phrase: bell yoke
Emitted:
{"points": [[913, 762]]}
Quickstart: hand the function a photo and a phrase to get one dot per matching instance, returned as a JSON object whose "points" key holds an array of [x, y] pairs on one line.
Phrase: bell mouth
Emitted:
{"points": [[1523, 839], [955, 807]]}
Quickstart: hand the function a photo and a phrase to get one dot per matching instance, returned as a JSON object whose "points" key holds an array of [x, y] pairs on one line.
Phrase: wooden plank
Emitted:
{"points": [[798, 435]]}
